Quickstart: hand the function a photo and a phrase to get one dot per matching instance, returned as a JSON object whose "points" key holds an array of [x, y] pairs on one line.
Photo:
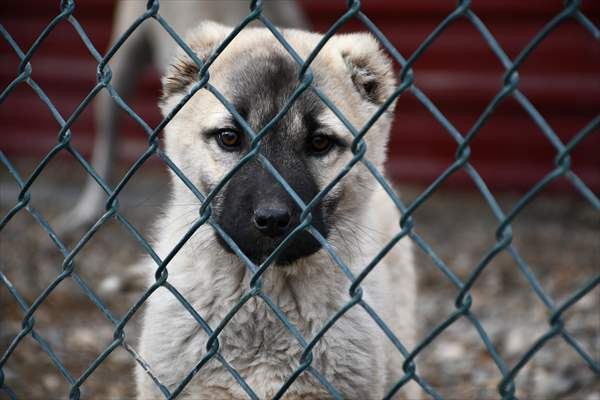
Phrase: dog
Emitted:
{"points": [[308, 147]]}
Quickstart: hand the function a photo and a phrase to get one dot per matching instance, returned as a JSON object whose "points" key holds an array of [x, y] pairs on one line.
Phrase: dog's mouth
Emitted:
{"points": [[259, 248]]}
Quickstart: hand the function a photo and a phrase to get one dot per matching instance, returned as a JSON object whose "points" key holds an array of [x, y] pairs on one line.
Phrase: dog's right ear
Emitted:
{"points": [[369, 67], [183, 71]]}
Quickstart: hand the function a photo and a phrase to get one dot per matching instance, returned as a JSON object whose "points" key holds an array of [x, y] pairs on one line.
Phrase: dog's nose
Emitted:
{"points": [[272, 221]]}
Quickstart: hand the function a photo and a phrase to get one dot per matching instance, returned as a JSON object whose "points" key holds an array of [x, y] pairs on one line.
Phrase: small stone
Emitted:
{"points": [[51, 382], [451, 351], [547, 384], [84, 338], [110, 285], [90, 338]]}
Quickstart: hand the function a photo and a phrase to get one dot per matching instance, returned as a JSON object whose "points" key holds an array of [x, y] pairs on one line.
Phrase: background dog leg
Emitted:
{"points": [[128, 66]]}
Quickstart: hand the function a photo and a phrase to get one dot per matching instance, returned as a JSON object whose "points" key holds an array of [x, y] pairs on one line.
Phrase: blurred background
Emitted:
{"points": [[557, 235], [459, 73]]}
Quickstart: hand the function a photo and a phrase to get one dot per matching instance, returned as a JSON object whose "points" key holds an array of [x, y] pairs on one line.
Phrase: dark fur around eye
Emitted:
{"points": [[229, 139], [320, 144]]}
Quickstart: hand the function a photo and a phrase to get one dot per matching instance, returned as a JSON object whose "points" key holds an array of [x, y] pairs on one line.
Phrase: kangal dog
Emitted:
{"points": [[309, 146]]}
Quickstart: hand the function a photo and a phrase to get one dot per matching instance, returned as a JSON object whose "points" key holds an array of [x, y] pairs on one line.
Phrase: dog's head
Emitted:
{"points": [[308, 146]]}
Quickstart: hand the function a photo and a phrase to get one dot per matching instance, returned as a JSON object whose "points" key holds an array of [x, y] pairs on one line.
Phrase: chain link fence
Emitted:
{"points": [[407, 229]]}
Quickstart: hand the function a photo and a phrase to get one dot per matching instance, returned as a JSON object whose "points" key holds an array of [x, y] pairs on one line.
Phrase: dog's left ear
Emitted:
{"points": [[183, 71], [370, 69]]}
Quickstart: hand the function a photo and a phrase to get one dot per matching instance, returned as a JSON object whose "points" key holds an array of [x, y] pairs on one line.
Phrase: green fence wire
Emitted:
{"points": [[406, 231]]}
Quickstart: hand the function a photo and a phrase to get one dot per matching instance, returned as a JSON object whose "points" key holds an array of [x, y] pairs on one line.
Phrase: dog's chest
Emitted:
{"points": [[261, 347], [257, 335]]}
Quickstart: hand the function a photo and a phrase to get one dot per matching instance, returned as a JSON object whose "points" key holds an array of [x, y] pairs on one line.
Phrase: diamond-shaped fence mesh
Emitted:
{"points": [[407, 229]]}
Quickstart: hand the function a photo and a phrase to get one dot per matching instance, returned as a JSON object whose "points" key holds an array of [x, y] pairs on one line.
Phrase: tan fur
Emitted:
{"points": [[354, 355]]}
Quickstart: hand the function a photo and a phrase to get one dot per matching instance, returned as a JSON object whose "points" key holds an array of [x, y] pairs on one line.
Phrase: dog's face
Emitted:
{"points": [[308, 146]]}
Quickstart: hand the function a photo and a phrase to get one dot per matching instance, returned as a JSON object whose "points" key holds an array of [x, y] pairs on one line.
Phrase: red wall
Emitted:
{"points": [[458, 73]]}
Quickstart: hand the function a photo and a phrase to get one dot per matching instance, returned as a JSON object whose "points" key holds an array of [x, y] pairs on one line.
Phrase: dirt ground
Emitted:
{"points": [[558, 235]]}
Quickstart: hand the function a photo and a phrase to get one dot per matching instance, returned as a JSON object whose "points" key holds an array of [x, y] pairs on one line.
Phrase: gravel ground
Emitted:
{"points": [[557, 235]]}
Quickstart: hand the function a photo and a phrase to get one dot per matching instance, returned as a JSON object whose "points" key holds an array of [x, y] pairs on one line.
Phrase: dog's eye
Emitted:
{"points": [[320, 144], [229, 139]]}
